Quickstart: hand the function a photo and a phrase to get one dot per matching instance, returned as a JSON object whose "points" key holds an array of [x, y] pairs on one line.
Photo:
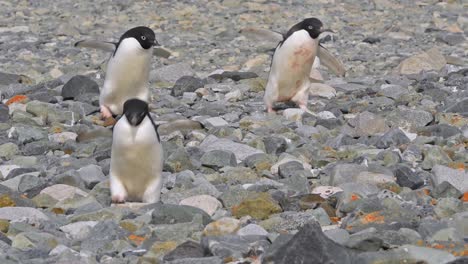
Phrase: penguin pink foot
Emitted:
{"points": [[105, 112]]}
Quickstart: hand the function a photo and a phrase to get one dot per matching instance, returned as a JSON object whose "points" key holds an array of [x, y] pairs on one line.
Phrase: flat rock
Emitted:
{"points": [[241, 151], [207, 203], [431, 59], [17, 213], [61, 192]]}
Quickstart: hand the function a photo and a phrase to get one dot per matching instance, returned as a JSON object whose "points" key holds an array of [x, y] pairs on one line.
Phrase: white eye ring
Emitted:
{"points": [[310, 27], [143, 37]]}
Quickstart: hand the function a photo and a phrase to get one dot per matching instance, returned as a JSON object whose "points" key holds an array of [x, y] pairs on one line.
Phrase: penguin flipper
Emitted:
{"points": [[331, 62], [96, 44], [262, 34]]}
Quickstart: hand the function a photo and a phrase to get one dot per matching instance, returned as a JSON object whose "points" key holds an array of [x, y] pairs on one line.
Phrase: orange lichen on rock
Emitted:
{"points": [[465, 197], [58, 210], [17, 99], [457, 166], [136, 239], [335, 220], [374, 217], [354, 197]]}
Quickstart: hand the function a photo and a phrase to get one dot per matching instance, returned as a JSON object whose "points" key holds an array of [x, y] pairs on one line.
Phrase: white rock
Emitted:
{"points": [[233, 96], [326, 191], [458, 178], [31, 215], [215, 122], [61, 192], [285, 157], [16, 29], [207, 203]]}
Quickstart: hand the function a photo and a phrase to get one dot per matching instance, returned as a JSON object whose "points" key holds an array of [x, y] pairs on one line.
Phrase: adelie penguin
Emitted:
{"points": [[127, 74], [136, 156], [289, 78]]}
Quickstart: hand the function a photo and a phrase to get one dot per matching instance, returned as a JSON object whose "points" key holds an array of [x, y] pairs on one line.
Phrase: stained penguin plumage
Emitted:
{"points": [[136, 156], [291, 65]]}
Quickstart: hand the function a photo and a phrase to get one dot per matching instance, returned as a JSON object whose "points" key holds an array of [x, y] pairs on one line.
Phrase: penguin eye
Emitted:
{"points": [[310, 27], [143, 37]]}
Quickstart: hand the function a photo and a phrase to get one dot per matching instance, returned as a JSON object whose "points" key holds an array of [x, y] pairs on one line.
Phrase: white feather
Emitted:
{"points": [[127, 75], [136, 158]]}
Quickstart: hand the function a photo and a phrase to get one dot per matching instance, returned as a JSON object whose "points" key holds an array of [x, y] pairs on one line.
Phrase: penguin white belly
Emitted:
{"points": [[136, 162], [290, 69], [126, 76]]}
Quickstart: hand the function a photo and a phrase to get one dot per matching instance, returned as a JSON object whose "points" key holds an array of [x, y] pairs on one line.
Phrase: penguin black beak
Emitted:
{"points": [[326, 30], [156, 43]]}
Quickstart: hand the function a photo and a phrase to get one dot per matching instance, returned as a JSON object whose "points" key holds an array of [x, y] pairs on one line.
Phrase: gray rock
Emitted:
{"points": [[311, 244], [32, 215], [447, 235], [79, 230], [178, 161], [439, 130], [172, 214], [252, 230], [102, 234], [4, 113], [91, 175], [79, 85], [241, 151], [406, 177], [27, 134], [368, 123], [234, 75], [458, 107], [214, 122], [171, 73], [343, 173], [186, 84], [393, 91], [394, 137], [434, 156], [275, 145], [444, 190], [409, 118], [451, 39], [406, 253], [287, 169], [338, 235], [219, 158], [9, 78], [448, 206], [365, 240], [188, 249], [455, 177]]}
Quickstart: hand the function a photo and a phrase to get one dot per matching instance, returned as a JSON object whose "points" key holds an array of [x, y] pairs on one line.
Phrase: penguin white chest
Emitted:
{"points": [[127, 75]]}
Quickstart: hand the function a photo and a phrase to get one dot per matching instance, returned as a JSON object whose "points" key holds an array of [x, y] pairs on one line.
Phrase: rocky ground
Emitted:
{"points": [[379, 175]]}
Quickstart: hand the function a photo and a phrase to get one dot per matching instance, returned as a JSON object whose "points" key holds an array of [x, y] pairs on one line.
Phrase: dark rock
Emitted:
{"points": [[236, 76], [365, 240], [451, 39], [18, 171], [406, 177], [275, 145], [329, 123], [309, 244], [186, 84], [4, 113], [394, 137], [287, 169], [188, 249], [371, 40], [9, 78], [173, 214], [218, 158], [79, 85]]}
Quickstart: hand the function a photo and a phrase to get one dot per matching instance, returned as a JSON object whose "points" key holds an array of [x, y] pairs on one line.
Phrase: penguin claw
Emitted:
{"points": [[118, 199]]}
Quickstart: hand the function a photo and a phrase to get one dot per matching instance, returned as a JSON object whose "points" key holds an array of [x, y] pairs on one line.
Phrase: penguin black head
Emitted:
{"points": [[144, 35], [312, 25], [135, 110]]}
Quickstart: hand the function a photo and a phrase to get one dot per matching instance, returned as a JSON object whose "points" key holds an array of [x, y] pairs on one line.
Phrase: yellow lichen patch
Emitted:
{"points": [[58, 211], [6, 201], [374, 217], [4, 225], [164, 246]]}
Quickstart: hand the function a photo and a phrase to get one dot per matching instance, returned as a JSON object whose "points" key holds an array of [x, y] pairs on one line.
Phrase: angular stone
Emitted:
{"points": [[188, 249], [309, 244], [240, 150], [91, 175], [367, 123], [217, 159], [61, 192], [79, 85], [8, 150], [431, 60], [16, 213], [252, 230], [394, 137], [79, 230], [172, 214], [233, 246], [406, 177]]}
